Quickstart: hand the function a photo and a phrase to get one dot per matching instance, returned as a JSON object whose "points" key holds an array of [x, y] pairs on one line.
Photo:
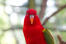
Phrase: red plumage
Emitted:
{"points": [[33, 32]]}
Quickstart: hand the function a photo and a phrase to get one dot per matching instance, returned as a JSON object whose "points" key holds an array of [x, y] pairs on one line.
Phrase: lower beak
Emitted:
{"points": [[31, 20]]}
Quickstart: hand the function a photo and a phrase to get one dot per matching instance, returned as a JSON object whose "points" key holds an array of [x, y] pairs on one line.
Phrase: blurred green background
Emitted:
{"points": [[12, 13]]}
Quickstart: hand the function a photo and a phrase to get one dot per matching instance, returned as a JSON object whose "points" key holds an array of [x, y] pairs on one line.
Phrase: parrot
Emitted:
{"points": [[33, 30]]}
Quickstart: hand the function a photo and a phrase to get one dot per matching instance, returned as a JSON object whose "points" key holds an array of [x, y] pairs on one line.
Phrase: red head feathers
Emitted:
{"points": [[31, 18], [31, 11]]}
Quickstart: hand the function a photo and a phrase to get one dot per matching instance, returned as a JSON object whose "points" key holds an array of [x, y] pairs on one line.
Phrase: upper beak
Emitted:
{"points": [[31, 18]]}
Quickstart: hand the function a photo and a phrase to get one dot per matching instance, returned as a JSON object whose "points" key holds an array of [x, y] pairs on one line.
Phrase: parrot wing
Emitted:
{"points": [[49, 38]]}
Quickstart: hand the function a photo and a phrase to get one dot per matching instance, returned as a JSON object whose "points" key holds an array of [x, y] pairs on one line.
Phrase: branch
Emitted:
{"points": [[55, 13], [60, 40], [43, 8]]}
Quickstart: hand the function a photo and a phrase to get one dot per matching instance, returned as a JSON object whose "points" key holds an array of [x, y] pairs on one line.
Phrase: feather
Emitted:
{"points": [[48, 36]]}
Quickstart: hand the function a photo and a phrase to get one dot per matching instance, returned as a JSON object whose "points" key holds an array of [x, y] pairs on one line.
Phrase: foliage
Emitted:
{"points": [[4, 24], [61, 17], [60, 2], [63, 34]]}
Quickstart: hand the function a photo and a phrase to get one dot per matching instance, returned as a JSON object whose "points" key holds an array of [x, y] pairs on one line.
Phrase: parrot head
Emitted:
{"points": [[31, 17]]}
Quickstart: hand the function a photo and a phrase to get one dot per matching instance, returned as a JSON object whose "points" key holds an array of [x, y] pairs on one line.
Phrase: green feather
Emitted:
{"points": [[48, 37]]}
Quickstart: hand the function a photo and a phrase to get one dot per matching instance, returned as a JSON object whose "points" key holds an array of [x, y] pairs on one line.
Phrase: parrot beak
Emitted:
{"points": [[31, 18]]}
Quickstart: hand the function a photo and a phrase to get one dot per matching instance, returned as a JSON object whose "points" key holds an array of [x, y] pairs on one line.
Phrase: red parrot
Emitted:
{"points": [[32, 29]]}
